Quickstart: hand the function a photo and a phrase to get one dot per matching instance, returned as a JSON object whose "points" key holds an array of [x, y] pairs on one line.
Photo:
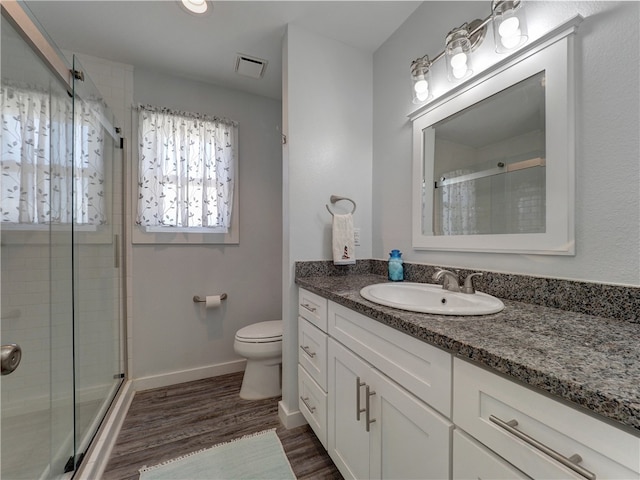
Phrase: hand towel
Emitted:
{"points": [[343, 240]]}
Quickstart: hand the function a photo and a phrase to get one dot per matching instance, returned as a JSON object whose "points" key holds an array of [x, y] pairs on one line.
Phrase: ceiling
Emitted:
{"points": [[159, 35]]}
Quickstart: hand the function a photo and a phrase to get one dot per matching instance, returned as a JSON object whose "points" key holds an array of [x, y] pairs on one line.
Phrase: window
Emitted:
{"points": [[41, 184], [186, 173]]}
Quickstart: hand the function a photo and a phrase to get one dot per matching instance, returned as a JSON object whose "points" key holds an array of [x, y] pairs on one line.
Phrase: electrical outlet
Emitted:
{"points": [[356, 237]]}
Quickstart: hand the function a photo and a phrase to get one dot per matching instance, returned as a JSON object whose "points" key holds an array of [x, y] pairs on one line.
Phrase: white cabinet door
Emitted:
{"points": [[409, 440], [472, 461], [348, 438], [379, 430]]}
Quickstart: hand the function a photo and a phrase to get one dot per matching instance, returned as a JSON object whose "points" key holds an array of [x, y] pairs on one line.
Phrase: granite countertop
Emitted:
{"points": [[592, 362]]}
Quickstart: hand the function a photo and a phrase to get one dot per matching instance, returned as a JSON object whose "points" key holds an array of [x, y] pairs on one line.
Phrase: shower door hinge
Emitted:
{"points": [[78, 75]]}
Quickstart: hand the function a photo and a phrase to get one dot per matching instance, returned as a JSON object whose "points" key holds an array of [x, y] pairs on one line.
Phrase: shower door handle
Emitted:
{"points": [[11, 356]]}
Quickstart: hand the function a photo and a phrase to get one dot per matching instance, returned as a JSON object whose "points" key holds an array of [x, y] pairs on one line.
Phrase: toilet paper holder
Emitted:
{"points": [[198, 299]]}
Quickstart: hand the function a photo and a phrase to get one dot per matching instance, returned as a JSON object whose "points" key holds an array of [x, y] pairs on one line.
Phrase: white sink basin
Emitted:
{"points": [[426, 298]]}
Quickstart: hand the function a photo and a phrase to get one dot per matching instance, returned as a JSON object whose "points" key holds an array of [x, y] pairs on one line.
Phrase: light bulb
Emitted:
{"points": [[509, 27], [459, 73], [459, 61], [421, 86], [511, 41], [422, 96]]}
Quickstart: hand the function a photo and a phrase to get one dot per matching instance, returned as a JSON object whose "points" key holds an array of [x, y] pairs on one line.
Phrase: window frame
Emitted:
{"points": [[141, 234]]}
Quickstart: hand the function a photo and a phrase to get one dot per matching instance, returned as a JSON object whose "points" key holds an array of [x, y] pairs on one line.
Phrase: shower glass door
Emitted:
{"points": [[37, 400], [61, 217], [97, 265]]}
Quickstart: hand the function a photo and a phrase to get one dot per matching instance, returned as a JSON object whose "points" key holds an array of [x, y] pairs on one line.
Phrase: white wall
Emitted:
{"points": [[327, 108], [171, 334], [607, 150]]}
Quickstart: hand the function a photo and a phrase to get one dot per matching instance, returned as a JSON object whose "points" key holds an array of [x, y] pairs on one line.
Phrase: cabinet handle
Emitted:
{"points": [[308, 307], [570, 462], [359, 410], [305, 400], [306, 350], [369, 420]]}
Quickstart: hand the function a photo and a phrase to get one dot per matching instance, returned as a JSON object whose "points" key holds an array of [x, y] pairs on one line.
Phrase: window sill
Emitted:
{"points": [[46, 227], [41, 234], [184, 235], [150, 229]]}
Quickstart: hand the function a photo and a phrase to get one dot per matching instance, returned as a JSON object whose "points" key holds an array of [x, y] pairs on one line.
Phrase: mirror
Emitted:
{"points": [[493, 162], [488, 164]]}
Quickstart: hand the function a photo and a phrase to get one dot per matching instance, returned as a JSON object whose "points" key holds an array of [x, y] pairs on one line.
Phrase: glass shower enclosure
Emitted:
{"points": [[61, 233]]}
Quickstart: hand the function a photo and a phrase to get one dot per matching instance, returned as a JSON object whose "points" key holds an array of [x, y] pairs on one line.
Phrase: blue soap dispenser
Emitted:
{"points": [[396, 270]]}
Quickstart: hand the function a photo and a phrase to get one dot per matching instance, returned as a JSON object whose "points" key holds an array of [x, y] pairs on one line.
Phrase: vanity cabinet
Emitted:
{"points": [[312, 361], [380, 385], [538, 435], [379, 430], [387, 405]]}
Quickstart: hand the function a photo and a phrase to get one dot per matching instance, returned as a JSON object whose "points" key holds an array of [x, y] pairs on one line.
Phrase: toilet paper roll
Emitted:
{"points": [[212, 301]]}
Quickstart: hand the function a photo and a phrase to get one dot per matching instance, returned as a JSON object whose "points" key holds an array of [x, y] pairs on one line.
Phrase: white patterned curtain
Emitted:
{"points": [[458, 202], [186, 169], [38, 173]]}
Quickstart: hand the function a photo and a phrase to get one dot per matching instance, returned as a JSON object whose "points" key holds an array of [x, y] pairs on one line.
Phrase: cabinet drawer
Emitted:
{"points": [[313, 307], [312, 351], [472, 460], [483, 399], [421, 368], [313, 404]]}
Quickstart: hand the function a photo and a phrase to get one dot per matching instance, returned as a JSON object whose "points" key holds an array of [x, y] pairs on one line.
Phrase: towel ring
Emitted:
{"points": [[336, 198]]}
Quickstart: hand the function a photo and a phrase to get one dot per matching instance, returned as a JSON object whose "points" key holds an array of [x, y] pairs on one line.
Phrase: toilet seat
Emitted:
{"points": [[261, 332]]}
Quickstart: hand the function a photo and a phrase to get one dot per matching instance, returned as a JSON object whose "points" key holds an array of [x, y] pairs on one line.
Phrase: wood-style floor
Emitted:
{"points": [[165, 423]]}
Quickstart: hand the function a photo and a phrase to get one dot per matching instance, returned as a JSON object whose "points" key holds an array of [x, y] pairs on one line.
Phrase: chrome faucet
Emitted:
{"points": [[450, 282]]}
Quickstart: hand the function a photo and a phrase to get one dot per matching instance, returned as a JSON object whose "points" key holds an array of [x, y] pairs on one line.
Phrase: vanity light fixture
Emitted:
{"points": [[510, 32]]}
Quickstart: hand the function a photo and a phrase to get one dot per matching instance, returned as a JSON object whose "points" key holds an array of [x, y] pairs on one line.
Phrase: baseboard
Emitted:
{"points": [[190, 375], [98, 455], [290, 419]]}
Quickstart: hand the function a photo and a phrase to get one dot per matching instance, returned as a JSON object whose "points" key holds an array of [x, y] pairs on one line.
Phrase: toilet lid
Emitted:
{"points": [[261, 332]]}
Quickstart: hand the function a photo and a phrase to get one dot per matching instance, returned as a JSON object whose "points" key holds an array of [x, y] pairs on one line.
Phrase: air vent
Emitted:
{"points": [[250, 66]]}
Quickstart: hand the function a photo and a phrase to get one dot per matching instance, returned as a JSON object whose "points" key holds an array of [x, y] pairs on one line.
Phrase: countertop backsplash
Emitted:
{"points": [[602, 300]]}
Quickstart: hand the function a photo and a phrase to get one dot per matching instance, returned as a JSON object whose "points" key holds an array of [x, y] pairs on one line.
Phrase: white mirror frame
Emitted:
{"points": [[552, 53]]}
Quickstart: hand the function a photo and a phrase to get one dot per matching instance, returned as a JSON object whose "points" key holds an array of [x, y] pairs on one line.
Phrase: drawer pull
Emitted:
{"points": [[306, 350], [305, 400], [369, 420], [308, 307], [570, 462], [359, 410]]}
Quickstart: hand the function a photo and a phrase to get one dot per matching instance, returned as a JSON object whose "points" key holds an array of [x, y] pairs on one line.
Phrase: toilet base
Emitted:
{"points": [[262, 379]]}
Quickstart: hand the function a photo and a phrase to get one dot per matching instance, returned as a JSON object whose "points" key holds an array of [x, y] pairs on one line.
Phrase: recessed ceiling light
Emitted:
{"points": [[195, 7]]}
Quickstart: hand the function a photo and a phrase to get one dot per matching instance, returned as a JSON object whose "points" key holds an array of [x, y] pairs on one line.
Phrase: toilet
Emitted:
{"points": [[261, 345]]}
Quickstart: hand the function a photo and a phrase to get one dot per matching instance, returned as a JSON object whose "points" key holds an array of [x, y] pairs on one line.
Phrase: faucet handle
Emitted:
{"points": [[468, 283]]}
